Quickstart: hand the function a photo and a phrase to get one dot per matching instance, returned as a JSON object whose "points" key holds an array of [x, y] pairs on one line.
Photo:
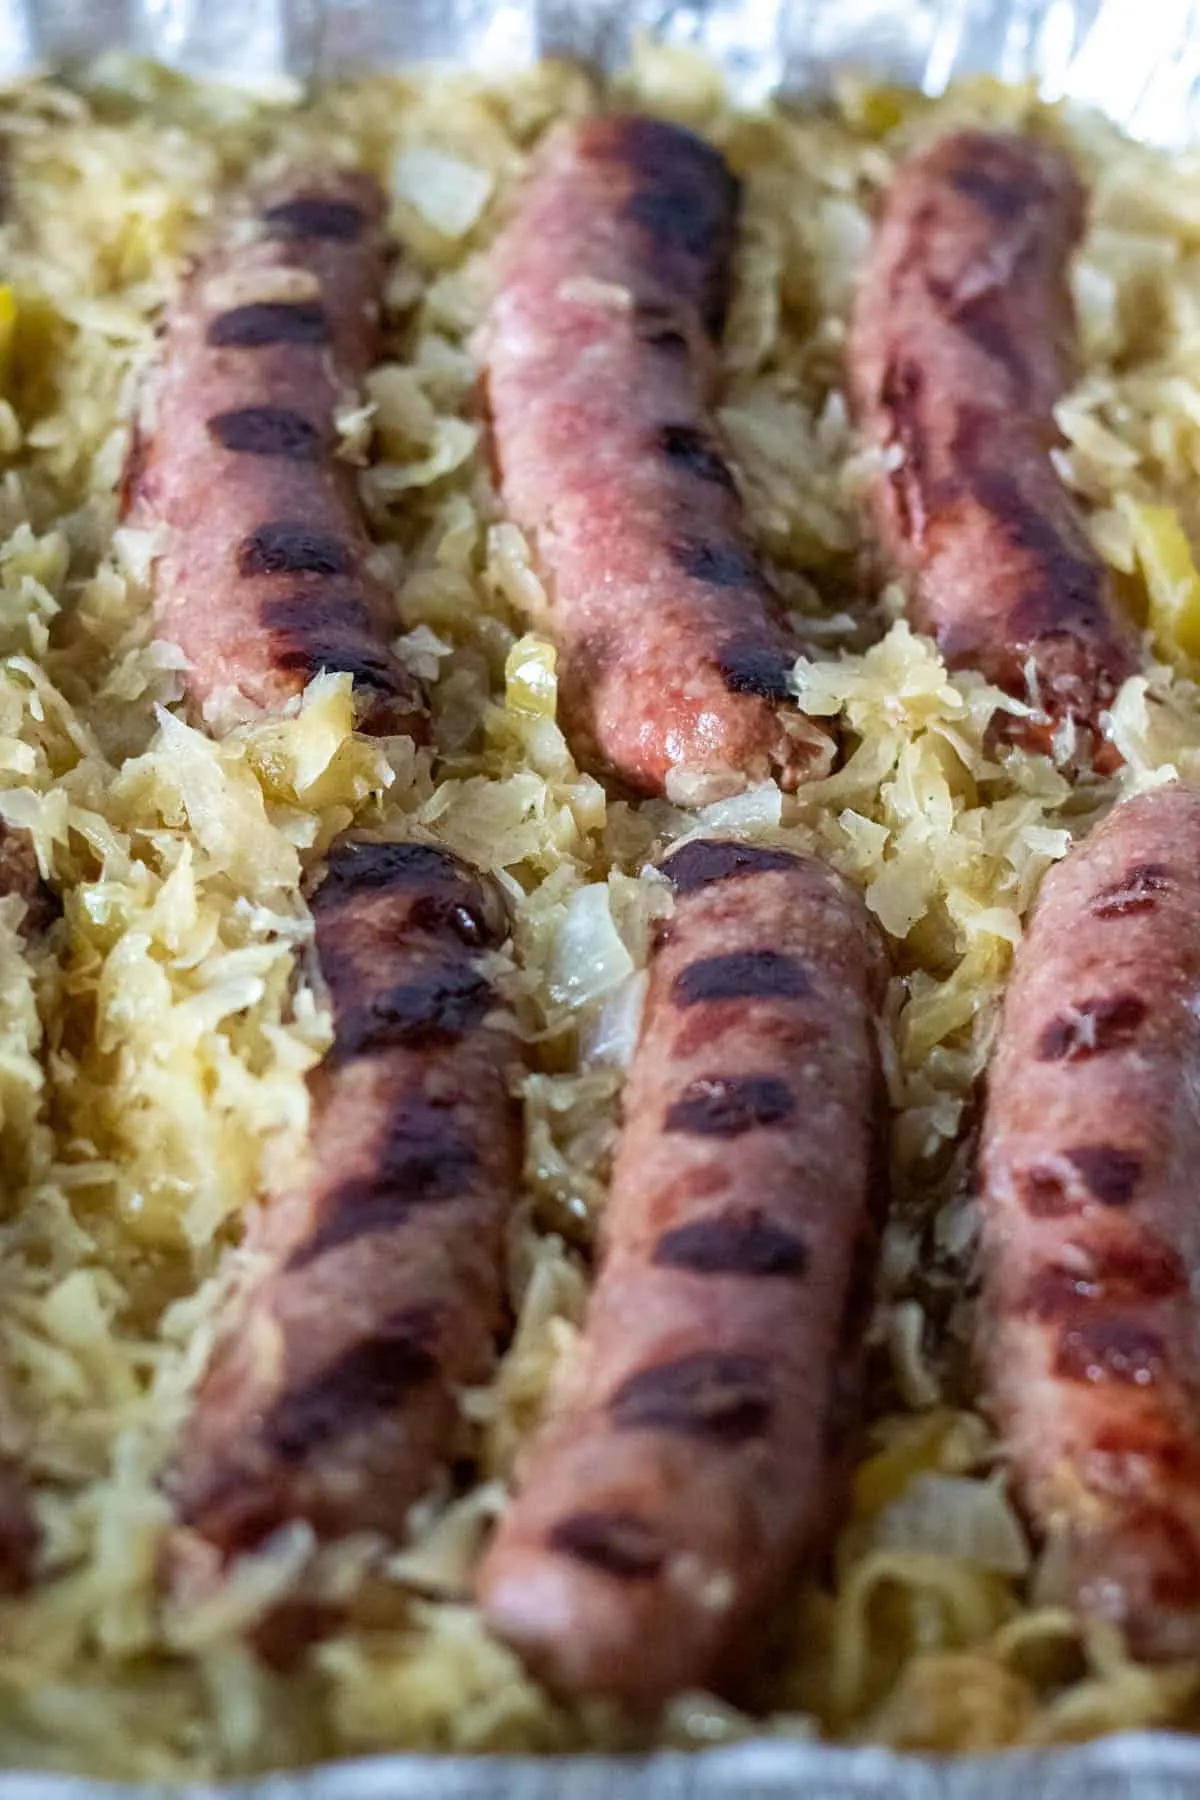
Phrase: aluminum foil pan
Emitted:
{"points": [[1139, 60]]}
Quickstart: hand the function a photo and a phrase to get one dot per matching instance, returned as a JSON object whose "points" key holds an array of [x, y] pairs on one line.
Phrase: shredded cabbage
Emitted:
{"points": [[154, 1049]]}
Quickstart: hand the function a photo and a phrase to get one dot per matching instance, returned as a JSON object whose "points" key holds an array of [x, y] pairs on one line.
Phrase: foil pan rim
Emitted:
{"points": [[1119, 1767], [1138, 61]]}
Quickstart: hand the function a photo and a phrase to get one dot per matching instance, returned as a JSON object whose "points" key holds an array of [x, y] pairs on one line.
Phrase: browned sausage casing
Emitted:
{"points": [[961, 346], [331, 1395], [262, 578], [690, 1462], [1091, 1149], [610, 288], [18, 1527]]}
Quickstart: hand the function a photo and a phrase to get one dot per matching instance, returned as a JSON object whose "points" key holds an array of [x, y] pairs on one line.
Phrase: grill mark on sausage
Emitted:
{"points": [[267, 431], [290, 547], [619, 1543], [311, 216], [674, 214], [724, 1396], [1092, 1028], [423, 1161], [435, 1009], [1145, 1269], [350, 1215], [1068, 584], [367, 1379], [1094, 1171], [1135, 893], [739, 1243], [467, 905], [685, 198], [354, 868], [706, 860], [263, 322], [728, 1106], [692, 451], [1099, 1350], [742, 975], [1111, 1175], [748, 667], [325, 631], [722, 564]]}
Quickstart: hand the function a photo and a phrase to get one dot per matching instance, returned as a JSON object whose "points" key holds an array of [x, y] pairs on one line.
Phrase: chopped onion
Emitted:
{"points": [[589, 959], [448, 193]]}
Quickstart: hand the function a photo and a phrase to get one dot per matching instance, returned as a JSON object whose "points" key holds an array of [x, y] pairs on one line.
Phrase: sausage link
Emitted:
{"points": [[961, 346], [692, 1457], [262, 579], [1091, 1231], [331, 1393], [610, 289]]}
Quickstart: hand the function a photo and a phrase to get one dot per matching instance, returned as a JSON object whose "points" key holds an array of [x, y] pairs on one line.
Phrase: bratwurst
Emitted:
{"points": [[610, 293], [960, 348], [375, 1284], [692, 1459], [262, 578], [1091, 1231]]}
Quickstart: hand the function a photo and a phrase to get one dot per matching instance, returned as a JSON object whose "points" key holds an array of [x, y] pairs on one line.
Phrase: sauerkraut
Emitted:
{"points": [[153, 1050]]}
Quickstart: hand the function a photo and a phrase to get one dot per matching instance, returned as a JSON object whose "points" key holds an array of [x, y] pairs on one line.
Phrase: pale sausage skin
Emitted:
{"points": [[376, 1285], [1091, 1230], [262, 577], [692, 1459], [600, 350], [19, 1536], [960, 347]]}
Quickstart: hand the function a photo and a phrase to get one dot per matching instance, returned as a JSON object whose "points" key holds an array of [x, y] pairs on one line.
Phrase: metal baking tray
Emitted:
{"points": [[1139, 60]]}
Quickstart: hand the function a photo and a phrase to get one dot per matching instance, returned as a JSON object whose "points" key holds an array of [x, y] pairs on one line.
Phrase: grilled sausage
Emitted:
{"points": [[1091, 1233], [961, 345], [610, 291], [19, 1535], [331, 1394], [692, 1457], [262, 578]]}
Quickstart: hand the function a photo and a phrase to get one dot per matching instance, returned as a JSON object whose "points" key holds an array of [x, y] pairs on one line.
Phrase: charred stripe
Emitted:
{"points": [[742, 975], [264, 322], [720, 1395]]}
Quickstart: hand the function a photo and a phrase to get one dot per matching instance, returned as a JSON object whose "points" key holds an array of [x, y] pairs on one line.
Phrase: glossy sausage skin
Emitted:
{"points": [[691, 1461], [960, 348], [262, 577], [19, 1535], [610, 287], [1090, 1154], [376, 1282]]}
